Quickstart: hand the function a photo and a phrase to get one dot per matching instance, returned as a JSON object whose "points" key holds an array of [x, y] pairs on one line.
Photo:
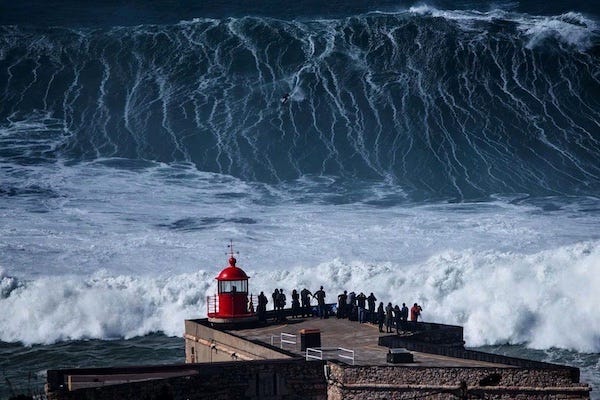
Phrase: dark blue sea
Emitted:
{"points": [[439, 152]]}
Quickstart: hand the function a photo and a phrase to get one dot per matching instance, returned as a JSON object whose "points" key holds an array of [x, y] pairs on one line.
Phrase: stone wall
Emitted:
{"points": [[397, 382], [206, 344], [432, 333], [413, 343], [276, 379]]}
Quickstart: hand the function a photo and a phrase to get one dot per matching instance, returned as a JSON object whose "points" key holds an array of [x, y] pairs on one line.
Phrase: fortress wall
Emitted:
{"points": [[397, 382], [205, 344], [278, 379]]}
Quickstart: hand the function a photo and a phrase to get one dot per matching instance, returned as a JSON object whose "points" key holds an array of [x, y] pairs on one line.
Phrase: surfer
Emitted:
{"points": [[284, 99]]}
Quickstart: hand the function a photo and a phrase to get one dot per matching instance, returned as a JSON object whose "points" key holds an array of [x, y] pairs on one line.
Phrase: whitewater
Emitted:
{"points": [[508, 272], [442, 154]]}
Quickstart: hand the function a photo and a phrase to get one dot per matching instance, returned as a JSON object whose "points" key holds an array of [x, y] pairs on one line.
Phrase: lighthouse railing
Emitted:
{"points": [[212, 304]]}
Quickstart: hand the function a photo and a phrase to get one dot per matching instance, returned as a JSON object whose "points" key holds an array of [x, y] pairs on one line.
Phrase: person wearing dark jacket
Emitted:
{"points": [[350, 301], [389, 317], [361, 301], [305, 298], [295, 303], [397, 318], [371, 302], [262, 307], [380, 316], [320, 296], [275, 295], [341, 309], [404, 315]]}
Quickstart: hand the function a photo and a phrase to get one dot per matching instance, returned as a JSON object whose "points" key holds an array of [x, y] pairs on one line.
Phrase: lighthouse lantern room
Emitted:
{"points": [[231, 304]]}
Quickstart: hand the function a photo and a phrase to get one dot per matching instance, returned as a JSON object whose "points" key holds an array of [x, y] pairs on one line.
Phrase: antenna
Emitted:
{"points": [[231, 252]]}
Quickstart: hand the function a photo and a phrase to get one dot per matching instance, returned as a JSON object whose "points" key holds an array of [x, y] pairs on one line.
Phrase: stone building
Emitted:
{"points": [[347, 360]]}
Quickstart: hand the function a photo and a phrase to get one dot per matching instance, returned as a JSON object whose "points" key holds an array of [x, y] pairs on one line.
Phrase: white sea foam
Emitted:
{"points": [[53, 309], [499, 297], [123, 249], [571, 28]]}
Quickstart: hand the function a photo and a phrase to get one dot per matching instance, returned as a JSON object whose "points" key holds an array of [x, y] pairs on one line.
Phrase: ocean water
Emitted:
{"points": [[441, 152]]}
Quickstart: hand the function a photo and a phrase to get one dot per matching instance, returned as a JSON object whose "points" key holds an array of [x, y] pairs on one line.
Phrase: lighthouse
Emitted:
{"points": [[231, 304]]}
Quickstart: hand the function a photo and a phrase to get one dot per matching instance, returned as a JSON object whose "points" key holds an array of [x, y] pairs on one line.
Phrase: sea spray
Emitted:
{"points": [[498, 297]]}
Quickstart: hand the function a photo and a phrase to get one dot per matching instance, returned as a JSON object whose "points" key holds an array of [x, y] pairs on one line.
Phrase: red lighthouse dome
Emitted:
{"points": [[231, 304], [232, 273]]}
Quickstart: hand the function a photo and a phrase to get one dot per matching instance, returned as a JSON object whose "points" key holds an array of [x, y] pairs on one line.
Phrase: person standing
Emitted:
{"points": [[262, 307], [320, 296], [397, 318], [389, 318], [404, 315], [341, 309], [361, 301], [380, 316], [371, 302], [295, 303], [275, 295], [305, 298], [415, 313], [350, 300], [281, 300]]}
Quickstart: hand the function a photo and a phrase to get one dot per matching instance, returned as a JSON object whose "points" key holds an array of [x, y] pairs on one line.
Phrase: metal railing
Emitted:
{"points": [[287, 338], [346, 354], [212, 304], [316, 353]]}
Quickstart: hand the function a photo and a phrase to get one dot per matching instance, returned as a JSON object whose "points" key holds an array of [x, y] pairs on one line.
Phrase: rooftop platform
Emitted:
{"points": [[362, 338], [249, 361]]}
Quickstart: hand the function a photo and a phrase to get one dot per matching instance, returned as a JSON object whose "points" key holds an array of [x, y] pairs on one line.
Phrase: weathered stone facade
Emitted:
{"points": [[205, 344], [398, 382], [231, 364], [273, 379], [298, 379]]}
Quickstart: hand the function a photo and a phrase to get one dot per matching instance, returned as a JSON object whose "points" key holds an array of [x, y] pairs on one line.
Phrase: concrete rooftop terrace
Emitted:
{"points": [[362, 338]]}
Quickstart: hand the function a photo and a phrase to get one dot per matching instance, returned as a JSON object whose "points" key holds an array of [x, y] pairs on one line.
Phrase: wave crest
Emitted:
{"points": [[499, 297]]}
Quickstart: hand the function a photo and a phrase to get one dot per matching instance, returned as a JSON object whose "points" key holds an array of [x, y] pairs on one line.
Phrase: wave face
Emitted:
{"points": [[451, 104]]}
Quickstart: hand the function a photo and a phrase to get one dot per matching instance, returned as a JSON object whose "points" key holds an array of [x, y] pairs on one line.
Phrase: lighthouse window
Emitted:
{"points": [[233, 286]]}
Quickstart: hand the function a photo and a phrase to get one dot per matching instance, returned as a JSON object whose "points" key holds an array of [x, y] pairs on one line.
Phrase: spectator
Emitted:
{"points": [[262, 307], [320, 296], [404, 315], [371, 302], [295, 303], [415, 313], [361, 301], [341, 311], [350, 300], [397, 317], [389, 318], [275, 295], [281, 300], [380, 316], [305, 297]]}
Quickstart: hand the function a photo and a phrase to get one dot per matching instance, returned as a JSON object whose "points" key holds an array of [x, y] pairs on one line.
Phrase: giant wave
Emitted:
{"points": [[445, 104]]}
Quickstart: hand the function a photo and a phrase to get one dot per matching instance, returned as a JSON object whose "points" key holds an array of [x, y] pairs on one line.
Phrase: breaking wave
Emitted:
{"points": [[499, 297]]}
